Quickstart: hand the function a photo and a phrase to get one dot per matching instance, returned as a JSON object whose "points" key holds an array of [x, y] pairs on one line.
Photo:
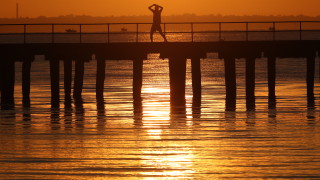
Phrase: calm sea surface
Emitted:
{"points": [[90, 142]]}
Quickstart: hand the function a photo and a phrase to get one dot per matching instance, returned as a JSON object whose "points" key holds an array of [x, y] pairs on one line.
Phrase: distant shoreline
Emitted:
{"points": [[148, 18]]}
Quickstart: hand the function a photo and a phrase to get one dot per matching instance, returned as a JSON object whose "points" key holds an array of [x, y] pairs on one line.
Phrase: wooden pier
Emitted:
{"points": [[176, 52]]}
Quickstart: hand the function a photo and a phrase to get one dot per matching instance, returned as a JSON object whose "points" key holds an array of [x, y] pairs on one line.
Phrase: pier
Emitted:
{"points": [[230, 40]]}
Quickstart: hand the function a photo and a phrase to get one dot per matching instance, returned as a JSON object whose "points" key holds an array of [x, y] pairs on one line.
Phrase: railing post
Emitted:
{"points": [[80, 32], [219, 31], [137, 40], [274, 31], [52, 33], [300, 30], [191, 32], [24, 33], [247, 31]]}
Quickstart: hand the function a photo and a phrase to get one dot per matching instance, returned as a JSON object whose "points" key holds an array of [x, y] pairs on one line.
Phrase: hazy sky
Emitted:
{"points": [[34, 8]]}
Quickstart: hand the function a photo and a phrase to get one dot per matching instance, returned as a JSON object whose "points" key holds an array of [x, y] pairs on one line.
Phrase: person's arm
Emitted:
{"points": [[150, 7], [160, 8]]}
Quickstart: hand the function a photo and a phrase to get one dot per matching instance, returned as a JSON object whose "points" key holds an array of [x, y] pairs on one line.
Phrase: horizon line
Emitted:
{"points": [[147, 15]]}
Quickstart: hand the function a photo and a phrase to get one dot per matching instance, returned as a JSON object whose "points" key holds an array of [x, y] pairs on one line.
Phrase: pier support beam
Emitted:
{"points": [[137, 78], [250, 83], [310, 80], [1, 77], [54, 76], [272, 82], [196, 78], [26, 69], [67, 82], [7, 83], [100, 78], [78, 79], [137, 86], [177, 73], [230, 81]]}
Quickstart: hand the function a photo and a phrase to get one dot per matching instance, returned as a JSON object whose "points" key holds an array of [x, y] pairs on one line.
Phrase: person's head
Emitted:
{"points": [[156, 8]]}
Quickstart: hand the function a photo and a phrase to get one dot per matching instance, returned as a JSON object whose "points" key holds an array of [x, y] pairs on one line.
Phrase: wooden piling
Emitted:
{"points": [[137, 86], [26, 69], [137, 78], [177, 73], [67, 82], [272, 82], [78, 79], [250, 83], [7, 83], [54, 76], [310, 80], [230, 82], [1, 78], [2, 75], [100, 78], [196, 77]]}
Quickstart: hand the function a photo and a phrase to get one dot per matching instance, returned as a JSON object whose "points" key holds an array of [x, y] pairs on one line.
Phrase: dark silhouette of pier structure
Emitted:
{"points": [[230, 40]]}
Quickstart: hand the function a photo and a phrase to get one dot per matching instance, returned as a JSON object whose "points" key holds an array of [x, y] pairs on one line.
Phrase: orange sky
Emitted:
{"points": [[34, 8]]}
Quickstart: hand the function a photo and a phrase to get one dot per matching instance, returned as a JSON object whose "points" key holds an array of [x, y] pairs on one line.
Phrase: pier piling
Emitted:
{"points": [[272, 82], [1, 74], [177, 73], [230, 82], [54, 76], [250, 83], [310, 80], [100, 78], [26, 69], [196, 78], [137, 78], [78, 79], [7, 83], [136, 89], [67, 82]]}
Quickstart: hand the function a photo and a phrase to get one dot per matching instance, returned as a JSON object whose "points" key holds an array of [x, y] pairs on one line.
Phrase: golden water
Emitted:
{"points": [[203, 143]]}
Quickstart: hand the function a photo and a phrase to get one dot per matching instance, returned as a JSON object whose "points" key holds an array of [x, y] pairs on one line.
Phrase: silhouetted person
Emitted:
{"points": [[156, 26]]}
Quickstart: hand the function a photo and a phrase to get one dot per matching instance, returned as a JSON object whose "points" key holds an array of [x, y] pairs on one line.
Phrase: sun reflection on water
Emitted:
{"points": [[156, 112], [169, 162]]}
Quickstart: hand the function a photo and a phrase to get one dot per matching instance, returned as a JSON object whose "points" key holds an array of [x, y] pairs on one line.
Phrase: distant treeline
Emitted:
{"points": [[143, 19]]}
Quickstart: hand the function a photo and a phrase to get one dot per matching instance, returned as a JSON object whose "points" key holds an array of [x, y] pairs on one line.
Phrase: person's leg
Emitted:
{"points": [[151, 32], [162, 34]]}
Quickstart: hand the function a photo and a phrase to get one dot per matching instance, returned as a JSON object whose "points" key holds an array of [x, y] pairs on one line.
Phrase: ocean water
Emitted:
{"points": [[114, 141]]}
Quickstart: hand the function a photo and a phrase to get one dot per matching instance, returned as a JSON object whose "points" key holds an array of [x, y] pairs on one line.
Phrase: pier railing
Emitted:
{"points": [[175, 32]]}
